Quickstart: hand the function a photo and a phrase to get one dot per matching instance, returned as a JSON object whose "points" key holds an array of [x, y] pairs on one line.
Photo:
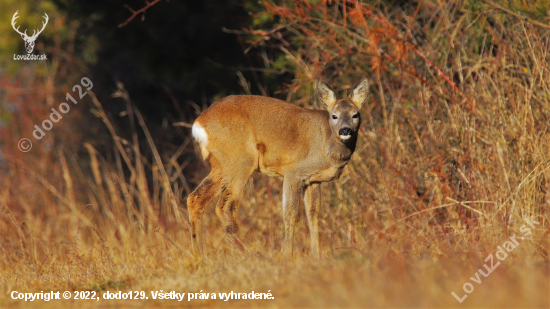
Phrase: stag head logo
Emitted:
{"points": [[29, 40]]}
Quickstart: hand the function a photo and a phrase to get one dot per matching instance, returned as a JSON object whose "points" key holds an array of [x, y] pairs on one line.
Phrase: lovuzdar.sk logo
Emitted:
{"points": [[29, 40]]}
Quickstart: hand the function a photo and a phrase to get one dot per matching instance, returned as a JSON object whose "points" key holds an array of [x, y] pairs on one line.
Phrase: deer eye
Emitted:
{"points": [[355, 115], [334, 117]]}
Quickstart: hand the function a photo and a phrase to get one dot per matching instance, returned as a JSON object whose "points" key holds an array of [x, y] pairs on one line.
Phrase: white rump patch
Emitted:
{"points": [[199, 133]]}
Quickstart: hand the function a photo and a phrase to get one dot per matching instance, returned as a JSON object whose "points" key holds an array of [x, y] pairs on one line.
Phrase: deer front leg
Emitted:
{"points": [[312, 200], [292, 190]]}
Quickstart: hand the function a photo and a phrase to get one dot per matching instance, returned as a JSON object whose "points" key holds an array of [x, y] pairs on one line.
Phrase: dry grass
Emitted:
{"points": [[432, 190]]}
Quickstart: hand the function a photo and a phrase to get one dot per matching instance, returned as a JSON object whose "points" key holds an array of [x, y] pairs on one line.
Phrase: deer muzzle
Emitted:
{"points": [[345, 133]]}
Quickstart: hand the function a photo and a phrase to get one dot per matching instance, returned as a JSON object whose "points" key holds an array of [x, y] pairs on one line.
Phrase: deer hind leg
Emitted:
{"points": [[196, 204], [312, 200], [228, 205]]}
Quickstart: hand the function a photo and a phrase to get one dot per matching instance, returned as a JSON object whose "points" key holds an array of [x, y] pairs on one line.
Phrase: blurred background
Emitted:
{"points": [[451, 157], [174, 60]]}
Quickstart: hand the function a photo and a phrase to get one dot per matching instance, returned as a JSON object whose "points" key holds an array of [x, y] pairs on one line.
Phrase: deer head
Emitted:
{"points": [[344, 113], [29, 40]]}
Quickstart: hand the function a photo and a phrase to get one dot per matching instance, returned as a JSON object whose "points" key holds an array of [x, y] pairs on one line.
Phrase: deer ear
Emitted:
{"points": [[325, 94], [360, 93]]}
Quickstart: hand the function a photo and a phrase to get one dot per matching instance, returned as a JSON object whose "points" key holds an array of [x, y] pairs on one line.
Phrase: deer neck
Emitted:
{"points": [[340, 151]]}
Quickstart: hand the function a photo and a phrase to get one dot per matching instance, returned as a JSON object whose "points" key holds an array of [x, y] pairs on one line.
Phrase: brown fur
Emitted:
{"points": [[255, 133]]}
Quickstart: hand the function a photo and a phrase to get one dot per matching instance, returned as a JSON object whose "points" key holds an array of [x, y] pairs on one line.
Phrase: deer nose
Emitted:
{"points": [[345, 131]]}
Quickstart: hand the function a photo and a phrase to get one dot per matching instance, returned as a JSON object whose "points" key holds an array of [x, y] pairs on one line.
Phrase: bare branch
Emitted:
{"points": [[527, 19], [136, 13]]}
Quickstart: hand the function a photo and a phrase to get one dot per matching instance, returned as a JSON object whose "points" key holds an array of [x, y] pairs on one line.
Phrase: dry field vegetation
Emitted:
{"points": [[453, 155]]}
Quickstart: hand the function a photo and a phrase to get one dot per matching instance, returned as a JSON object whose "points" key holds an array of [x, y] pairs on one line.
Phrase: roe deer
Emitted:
{"points": [[241, 134]]}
